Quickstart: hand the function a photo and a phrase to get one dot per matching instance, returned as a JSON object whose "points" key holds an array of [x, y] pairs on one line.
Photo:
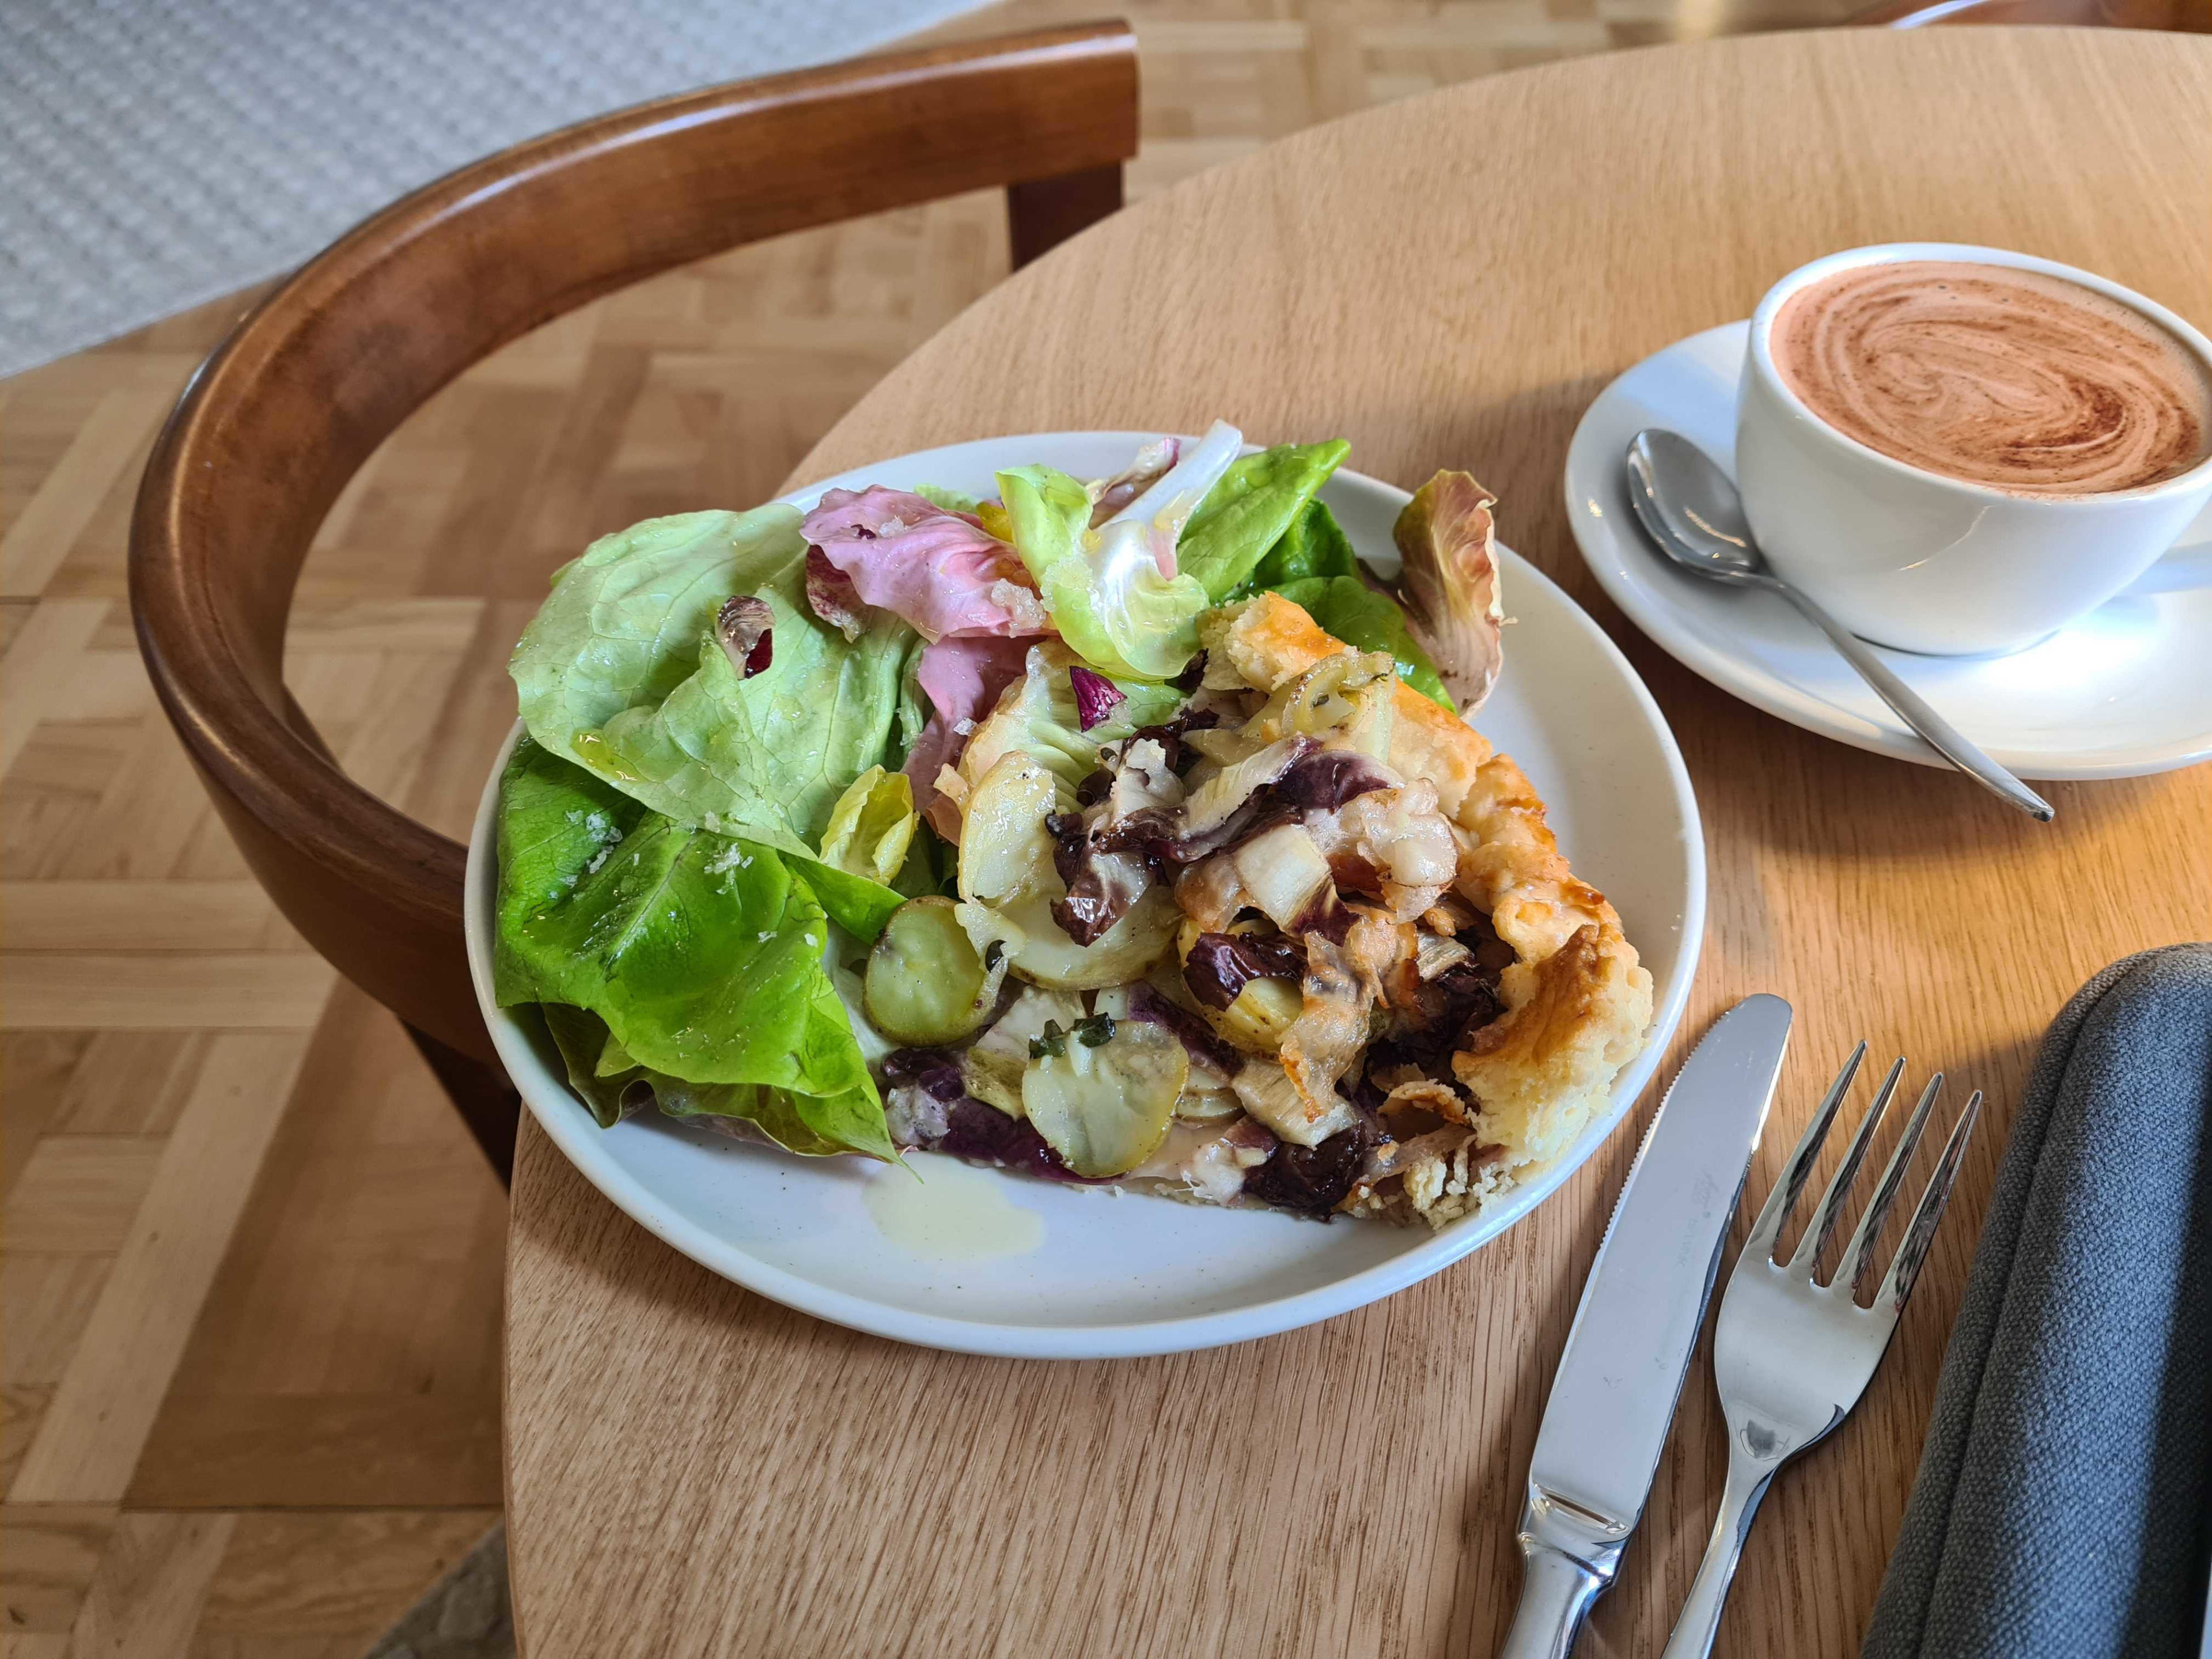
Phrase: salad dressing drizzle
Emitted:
{"points": [[942, 1210]]}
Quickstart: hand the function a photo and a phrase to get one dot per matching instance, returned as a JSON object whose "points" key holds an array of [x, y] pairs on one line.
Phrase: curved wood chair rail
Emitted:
{"points": [[2184, 16], [280, 417]]}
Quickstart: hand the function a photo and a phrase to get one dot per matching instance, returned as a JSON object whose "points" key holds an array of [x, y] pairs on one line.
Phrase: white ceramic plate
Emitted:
{"points": [[2127, 689], [1108, 1274]]}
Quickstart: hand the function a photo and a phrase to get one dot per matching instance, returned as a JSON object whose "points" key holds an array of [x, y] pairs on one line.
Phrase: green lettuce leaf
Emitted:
{"points": [[950, 499], [912, 710], [862, 907], [614, 1088], [1355, 613], [621, 673], [622, 624], [1246, 513], [872, 826], [702, 955], [597, 1070], [1104, 588], [1049, 512], [1314, 546]]}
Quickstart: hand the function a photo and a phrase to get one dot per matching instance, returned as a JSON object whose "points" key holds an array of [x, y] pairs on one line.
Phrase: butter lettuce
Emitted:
{"points": [[582, 1038], [1247, 511], [702, 955], [875, 840], [950, 499], [621, 672], [608, 1081], [872, 826], [622, 627], [1104, 588], [1049, 513], [1314, 546]]}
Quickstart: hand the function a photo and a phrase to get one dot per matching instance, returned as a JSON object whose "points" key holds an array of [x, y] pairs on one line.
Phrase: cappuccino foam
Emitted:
{"points": [[1998, 376]]}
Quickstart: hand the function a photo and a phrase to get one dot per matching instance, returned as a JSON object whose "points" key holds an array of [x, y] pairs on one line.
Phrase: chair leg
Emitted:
{"points": [[487, 1101], [1043, 213]]}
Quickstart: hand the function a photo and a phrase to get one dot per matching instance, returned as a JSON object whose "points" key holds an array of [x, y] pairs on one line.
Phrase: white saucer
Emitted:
{"points": [[2125, 690]]}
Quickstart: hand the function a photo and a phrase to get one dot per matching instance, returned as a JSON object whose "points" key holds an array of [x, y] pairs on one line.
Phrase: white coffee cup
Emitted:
{"points": [[1911, 558]]}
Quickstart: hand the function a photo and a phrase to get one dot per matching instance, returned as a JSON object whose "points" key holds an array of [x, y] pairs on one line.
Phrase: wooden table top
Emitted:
{"points": [[1445, 282]]}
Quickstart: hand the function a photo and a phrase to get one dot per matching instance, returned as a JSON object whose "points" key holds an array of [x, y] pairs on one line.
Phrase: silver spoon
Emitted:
{"points": [[1688, 506]]}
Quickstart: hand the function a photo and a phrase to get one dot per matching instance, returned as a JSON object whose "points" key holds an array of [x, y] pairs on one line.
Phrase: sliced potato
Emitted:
{"points": [[1006, 851], [1038, 951], [925, 984], [1113, 1001], [994, 1067], [1105, 1107]]}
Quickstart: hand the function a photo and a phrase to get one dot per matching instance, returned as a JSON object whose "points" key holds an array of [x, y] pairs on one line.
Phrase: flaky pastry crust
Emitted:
{"points": [[1577, 1000]]}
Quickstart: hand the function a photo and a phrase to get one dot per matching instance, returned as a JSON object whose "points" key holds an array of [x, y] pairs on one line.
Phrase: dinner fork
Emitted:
{"points": [[1790, 1355]]}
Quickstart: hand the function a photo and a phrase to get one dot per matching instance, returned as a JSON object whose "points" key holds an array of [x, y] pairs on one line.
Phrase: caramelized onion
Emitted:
{"points": [[1220, 965], [1330, 779], [831, 596], [1311, 1180]]}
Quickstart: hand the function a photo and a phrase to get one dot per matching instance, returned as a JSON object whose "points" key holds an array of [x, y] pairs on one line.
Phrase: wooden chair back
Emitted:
{"points": [[314, 378]]}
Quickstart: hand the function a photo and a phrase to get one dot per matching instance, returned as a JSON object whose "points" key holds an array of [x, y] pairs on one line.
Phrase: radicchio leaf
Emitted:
{"points": [[1449, 542], [746, 628], [932, 1070], [940, 571], [975, 1130], [1096, 697], [962, 677], [1105, 885], [832, 597]]}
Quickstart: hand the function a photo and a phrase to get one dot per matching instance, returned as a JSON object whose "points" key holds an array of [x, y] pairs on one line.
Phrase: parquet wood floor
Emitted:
{"points": [[250, 1264]]}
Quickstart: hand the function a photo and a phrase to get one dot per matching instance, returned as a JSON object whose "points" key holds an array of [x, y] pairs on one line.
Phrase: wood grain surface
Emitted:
{"points": [[1445, 282], [337, 1397]]}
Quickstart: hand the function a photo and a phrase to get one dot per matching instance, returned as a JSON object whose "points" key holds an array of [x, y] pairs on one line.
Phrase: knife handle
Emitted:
{"points": [[1567, 1561]]}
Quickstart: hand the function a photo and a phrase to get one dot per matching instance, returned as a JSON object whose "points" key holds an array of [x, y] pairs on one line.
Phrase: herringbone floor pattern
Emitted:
{"points": [[251, 1263]]}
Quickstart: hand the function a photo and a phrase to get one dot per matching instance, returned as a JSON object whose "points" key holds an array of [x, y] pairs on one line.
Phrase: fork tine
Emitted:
{"points": [[1783, 1198], [1839, 1186], [1859, 1253], [1896, 1287]]}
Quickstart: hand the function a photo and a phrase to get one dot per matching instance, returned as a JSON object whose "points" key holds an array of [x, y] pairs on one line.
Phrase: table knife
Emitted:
{"points": [[1614, 1396]]}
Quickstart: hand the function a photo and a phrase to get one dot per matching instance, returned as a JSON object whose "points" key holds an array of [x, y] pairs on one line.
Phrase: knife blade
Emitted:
{"points": [[1620, 1376]]}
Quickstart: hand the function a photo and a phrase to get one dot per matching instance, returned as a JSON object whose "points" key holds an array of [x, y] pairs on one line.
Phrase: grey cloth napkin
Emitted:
{"points": [[2064, 1500]]}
